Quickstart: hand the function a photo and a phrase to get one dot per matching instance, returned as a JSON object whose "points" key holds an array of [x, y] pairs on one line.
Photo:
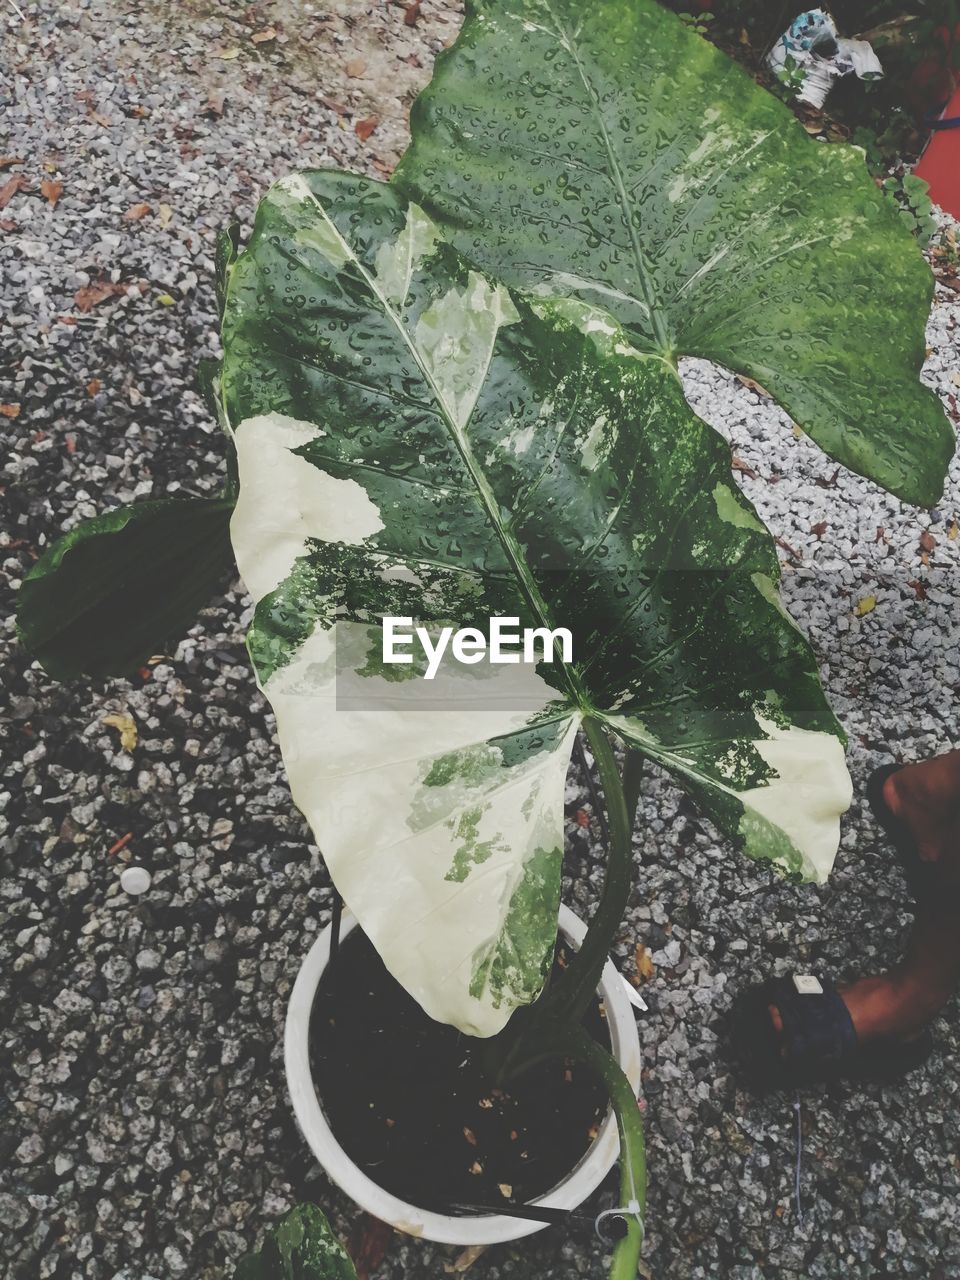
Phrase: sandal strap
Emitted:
{"points": [[817, 1027]]}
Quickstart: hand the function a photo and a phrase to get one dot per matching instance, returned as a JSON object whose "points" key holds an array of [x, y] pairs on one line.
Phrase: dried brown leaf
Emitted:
{"points": [[645, 966], [369, 1244], [92, 295], [125, 723], [465, 1260], [10, 410], [355, 68], [738, 464], [364, 128], [11, 187], [136, 212], [51, 191]]}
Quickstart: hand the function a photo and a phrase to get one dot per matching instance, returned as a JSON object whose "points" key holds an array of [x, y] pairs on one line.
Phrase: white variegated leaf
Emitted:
{"points": [[413, 441]]}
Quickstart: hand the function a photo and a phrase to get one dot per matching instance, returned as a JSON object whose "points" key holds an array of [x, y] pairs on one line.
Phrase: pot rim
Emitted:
{"points": [[568, 1193]]}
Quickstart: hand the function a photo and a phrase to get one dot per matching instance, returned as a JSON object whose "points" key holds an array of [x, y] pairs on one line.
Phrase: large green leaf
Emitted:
{"points": [[107, 594], [414, 441], [302, 1247], [605, 150]]}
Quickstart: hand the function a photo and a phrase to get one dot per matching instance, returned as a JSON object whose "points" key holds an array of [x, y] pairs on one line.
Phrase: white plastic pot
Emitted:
{"points": [[493, 1229]]}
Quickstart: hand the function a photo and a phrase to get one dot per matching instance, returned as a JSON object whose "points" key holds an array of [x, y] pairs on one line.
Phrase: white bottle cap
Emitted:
{"points": [[135, 880]]}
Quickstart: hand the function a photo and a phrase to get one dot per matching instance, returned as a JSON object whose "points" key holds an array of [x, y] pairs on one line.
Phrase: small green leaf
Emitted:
{"points": [[302, 1247], [113, 590]]}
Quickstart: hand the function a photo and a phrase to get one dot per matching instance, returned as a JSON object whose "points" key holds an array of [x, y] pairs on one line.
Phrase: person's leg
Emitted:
{"points": [[901, 1002]]}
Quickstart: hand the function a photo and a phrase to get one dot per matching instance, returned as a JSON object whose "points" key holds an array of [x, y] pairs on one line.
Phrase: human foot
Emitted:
{"points": [[925, 797], [883, 1008], [799, 1030]]}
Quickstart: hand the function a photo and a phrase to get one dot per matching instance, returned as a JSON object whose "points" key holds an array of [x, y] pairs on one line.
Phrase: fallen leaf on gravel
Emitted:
{"points": [[411, 14], [51, 191], [820, 528], [364, 128], [93, 294], [227, 55], [738, 464], [465, 1260], [333, 105], [166, 300], [8, 224], [93, 386], [919, 589], [790, 550], [927, 541], [752, 385], [11, 187], [582, 818], [865, 606], [164, 214], [125, 722], [104, 121], [215, 104], [355, 68], [136, 212], [881, 534], [10, 410], [953, 531], [824, 483], [7, 161], [645, 965], [368, 1245], [261, 37]]}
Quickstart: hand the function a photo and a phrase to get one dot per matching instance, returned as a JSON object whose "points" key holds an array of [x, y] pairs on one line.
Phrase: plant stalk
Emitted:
{"points": [[570, 995], [561, 1040]]}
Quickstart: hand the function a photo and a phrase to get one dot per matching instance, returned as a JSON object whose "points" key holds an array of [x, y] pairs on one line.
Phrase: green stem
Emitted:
{"points": [[570, 996], [557, 1040]]}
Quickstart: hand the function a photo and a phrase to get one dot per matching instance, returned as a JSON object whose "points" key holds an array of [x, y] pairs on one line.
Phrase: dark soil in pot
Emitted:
{"points": [[409, 1103]]}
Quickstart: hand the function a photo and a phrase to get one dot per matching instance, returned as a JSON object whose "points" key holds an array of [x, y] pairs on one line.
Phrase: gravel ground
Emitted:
{"points": [[146, 1132]]}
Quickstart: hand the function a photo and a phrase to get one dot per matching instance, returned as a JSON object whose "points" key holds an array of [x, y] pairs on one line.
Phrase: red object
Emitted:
{"points": [[940, 163]]}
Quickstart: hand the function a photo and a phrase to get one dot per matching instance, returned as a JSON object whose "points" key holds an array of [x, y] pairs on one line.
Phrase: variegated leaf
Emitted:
{"points": [[301, 1247], [413, 441], [606, 150]]}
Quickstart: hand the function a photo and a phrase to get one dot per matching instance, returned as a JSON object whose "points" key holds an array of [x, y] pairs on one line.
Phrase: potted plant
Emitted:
{"points": [[453, 399]]}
